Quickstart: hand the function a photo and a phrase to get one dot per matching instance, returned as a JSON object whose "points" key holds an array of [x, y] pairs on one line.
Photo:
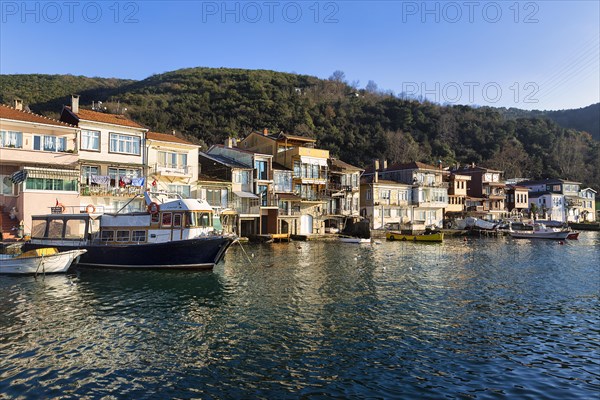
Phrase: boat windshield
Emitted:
{"points": [[198, 219]]}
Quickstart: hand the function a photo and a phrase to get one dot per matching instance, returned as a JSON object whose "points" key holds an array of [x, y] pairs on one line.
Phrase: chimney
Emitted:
{"points": [[75, 103], [173, 132], [472, 165], [265, 131], [229, 142], [384, 163], [376, 171], [19, 104]]}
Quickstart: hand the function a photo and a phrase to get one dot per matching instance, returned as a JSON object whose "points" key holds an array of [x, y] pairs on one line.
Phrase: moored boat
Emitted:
{"points": [[350, 239], [427, 237], [39, 261], [573, 235], [539, 231], [173, 233]]}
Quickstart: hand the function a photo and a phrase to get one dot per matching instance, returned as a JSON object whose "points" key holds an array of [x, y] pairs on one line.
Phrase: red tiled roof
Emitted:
{"points": [[18, 115], [115, 119], [165, 137]]}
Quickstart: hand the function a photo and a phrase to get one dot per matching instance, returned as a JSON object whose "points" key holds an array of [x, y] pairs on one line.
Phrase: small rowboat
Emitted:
{"points": [[573, 235], [39, 261], [351, 239], [430, 237]]}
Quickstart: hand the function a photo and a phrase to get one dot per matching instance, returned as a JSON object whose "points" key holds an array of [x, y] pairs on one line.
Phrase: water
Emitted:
{"points": [[489, 318]]}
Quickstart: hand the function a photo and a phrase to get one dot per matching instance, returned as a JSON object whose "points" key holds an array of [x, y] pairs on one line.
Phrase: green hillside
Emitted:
{"points": [[208, 105]]}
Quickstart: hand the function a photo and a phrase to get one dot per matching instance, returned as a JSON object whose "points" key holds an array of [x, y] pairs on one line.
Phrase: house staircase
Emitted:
{"points": [[8, 227]]}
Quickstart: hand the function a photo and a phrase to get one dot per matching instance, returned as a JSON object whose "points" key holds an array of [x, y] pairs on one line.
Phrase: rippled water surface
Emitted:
{"points": [[492, 318]]}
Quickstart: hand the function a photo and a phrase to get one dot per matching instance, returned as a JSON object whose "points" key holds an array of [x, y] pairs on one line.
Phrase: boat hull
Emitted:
{"points": [[354, 240], [433, 237], [49, 264], [539, 235], [199, 253]]}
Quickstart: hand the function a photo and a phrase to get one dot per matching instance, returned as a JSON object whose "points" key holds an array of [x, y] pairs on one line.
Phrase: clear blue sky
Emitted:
{"points": [[530, 54]]}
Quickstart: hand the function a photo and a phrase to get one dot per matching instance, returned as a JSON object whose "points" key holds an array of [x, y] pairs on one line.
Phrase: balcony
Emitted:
{"points": [[103, 191], [432, 184], [184, 171]]}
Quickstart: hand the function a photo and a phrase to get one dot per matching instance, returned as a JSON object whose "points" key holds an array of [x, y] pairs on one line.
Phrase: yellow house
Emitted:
{"points": [[38, 167], [172, 164]]}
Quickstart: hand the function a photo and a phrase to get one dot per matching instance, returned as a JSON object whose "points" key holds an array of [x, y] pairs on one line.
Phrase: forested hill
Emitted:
{"points": [[583, 119], [357, 126]]}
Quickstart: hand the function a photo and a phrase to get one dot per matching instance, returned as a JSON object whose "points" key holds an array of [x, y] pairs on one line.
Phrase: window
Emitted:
{"points": [[6, 186], [262, 193], [122, 236], [117, 173], [369, 195], [384, 194], [387, 212], [107, 236], [261, 170], [51, 184], [11, 139], [242, 177], [213, 197], [90, 140], [167, 219], [182, 190], [177, 220], [172, 160], [49, 143], [125, 144], [87, 171], [138, 236]]}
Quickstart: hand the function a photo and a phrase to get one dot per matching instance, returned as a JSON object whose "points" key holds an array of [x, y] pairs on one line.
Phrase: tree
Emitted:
{"points": [[338, 76], [371, 87]]}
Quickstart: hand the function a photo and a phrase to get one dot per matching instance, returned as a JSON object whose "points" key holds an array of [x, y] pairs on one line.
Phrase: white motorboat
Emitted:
{"points": [[351, 239], [39, 261], [539, 231]]}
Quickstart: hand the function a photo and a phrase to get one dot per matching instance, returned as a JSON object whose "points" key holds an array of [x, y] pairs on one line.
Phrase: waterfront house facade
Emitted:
{"points": [[343, 194], [172, 164], [429, 191], [457, 194], [38, 167], [486, 192], [112, 159], [385, 203], [517, 200], [241, 197], [309, 168], [588, 209], [564, 192]]}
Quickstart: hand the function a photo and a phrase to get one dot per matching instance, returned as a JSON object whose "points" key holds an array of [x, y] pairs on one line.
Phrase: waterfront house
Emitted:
{"points": [[309, 168], [429, 192], [38, 167], [289, 204], [172, 164], [588, 208], [548, 206], [385, 203], [486, 192], [343, 193], [568, 191], [111, 157], [517, 199], [457, 194], [241, 197]]}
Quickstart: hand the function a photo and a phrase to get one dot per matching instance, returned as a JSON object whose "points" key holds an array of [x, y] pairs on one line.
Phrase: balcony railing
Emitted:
{"points": [[172, 170], [93, 190]]}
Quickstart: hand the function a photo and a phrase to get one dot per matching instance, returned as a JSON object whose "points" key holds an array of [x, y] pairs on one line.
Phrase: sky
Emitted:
{"points": [[525, 54]]}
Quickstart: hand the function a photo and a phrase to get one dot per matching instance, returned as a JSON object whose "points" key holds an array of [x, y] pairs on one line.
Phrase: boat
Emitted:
{"points": [[573, 235], [539, 231], [426, 237], [350, 239], [39, 261], [172, 233]]}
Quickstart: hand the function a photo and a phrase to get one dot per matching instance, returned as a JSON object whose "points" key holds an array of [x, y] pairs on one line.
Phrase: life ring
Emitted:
{"points": [[153, 208], [61, 206], [90, 209]]}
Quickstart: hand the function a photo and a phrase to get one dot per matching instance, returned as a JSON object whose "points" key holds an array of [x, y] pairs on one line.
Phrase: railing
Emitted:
{"points": [[92, 190], [172, 170]]}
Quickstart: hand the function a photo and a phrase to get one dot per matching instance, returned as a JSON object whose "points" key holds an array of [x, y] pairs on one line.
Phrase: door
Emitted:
{"points": [[306, 224]]}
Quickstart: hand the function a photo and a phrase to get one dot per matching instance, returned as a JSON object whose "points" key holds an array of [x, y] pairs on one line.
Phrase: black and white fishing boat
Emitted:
{"points": [[173, 233]]}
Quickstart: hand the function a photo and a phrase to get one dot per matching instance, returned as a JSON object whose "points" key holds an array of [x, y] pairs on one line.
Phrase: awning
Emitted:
{"points": [[312, 160], [52, 173], [245, 195]]}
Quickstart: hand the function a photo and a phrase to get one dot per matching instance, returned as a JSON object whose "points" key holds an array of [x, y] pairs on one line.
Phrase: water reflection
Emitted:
{"points": [[481, 318]]}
